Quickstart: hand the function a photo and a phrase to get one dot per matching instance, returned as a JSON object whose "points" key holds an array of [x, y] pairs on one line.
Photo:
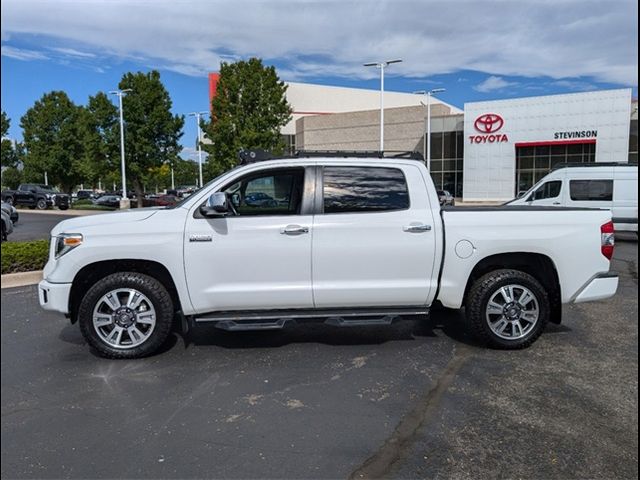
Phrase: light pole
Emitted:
{"points": [[120, 93], [199, 115], [382, 66], [427, 137]]}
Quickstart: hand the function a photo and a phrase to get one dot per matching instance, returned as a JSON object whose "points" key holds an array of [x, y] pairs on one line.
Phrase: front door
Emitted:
{"points": [[547, 194], [259, 258], [374, 240]]}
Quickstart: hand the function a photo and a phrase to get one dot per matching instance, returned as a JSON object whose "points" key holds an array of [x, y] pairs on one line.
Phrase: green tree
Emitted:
{"points": [[11, 178], [9, 155], [100, 135], [185, 172], [53, 140], [248, 112], [151, 130]]}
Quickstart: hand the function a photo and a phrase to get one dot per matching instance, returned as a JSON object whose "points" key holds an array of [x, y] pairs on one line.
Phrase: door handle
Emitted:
{"points": [[416, 228], [294, 230], [557, 203]]}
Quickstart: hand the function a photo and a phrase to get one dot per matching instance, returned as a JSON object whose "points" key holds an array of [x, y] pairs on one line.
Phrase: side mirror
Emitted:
{"points": [[217, 206]]}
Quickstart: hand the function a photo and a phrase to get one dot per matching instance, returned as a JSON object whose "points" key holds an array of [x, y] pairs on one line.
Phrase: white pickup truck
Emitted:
{"points": [[349, 241]]}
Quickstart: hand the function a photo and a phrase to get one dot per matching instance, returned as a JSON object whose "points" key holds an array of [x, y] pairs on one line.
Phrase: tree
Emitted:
{"points": [[248, 112], [151, 130], [9, 155], [53, 140], [100, 135]]}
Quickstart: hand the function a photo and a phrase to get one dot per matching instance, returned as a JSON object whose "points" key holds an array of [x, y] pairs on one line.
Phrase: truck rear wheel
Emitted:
{"points": [[126, 315], [507, 309]]}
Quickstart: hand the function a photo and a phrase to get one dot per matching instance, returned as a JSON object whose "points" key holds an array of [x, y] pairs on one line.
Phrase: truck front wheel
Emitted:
{"points": [[507, 309], [41, 204], [126, 315]]}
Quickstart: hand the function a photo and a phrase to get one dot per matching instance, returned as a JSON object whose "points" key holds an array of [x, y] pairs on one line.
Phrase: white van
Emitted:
{"points": [[613, 186]]}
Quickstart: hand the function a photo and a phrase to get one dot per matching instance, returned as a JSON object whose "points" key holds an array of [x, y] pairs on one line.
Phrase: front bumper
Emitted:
{"points": [[603, 285], [54, 296]]}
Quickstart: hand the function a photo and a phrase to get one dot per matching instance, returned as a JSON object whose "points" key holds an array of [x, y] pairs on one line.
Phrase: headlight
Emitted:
{"points": [[65, 242]]}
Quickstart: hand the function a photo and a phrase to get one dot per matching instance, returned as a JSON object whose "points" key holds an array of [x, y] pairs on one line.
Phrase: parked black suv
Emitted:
{"points": [[38, 196]]}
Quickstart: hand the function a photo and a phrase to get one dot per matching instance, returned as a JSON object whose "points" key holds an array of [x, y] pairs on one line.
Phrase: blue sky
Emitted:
{"points": [[476, 50]]}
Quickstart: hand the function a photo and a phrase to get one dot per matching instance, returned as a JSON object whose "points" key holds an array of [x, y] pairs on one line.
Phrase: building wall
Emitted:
{"points": [[404, 129], [490, 167]]}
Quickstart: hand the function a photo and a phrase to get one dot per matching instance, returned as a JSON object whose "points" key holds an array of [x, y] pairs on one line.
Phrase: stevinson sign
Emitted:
{"points": [[488, 127], [575, 135]]}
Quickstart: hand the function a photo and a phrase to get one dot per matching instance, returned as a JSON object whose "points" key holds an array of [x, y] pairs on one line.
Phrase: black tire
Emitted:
{"points": [[481, 292], [41, 204], [152, 289], [64, 207]]}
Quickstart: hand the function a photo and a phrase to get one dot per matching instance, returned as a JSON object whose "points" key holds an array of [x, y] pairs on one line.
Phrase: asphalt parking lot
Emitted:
{"points": [[415, 400], [35, 226]]}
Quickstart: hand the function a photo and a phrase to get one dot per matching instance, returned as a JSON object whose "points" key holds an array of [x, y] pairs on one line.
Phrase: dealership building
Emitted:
{"points": [[488, 151]]}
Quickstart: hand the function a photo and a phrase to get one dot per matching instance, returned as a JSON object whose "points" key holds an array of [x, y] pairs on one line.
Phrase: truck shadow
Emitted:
{"points": [[441, 323]]}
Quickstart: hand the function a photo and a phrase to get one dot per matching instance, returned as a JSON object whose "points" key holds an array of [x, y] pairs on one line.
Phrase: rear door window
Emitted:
{"points": [[364, 189], [591, 190]]}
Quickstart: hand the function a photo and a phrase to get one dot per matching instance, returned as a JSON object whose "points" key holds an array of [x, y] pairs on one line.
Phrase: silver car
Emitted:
{"points": [[11, 211], [7, 225]]}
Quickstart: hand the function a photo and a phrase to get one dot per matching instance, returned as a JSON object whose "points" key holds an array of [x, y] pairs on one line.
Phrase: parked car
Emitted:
{"points": [[36, 196], [7, 225], [160, 200], [185, 190], [260, 199], [613, 186], [85, 195], [108, 201], [349, 249], [11, 211], [446, 199]]}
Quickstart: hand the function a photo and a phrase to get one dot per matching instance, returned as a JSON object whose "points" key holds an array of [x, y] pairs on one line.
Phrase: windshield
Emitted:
{"points": [[48, 188]]}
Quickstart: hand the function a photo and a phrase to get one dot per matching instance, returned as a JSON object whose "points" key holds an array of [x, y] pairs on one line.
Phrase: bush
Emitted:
{"points": [[90, 206], [24, 256]]}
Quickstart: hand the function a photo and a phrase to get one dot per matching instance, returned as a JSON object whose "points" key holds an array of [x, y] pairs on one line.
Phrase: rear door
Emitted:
{"points": [[373, 237]]}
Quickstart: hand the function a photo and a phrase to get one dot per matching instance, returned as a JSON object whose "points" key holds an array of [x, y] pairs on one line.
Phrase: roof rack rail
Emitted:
{"points": [[411, 155], [251, 156], [594, 164]]}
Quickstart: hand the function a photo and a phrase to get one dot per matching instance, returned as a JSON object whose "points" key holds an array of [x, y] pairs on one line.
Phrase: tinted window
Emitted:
{"points": [[591, 190], [548, 190], [272, 192], [364, 189]]}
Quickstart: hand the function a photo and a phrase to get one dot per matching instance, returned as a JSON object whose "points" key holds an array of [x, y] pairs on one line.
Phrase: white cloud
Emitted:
{"points": [[493, 83], [555, 38], [72, 52], [22, 54]]}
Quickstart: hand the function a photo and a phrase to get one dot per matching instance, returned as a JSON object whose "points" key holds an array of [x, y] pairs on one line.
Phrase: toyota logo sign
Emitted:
{"points": [[489, 123]]}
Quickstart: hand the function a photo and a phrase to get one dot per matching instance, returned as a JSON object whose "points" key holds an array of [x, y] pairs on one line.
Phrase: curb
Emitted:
{"points": [[22, 279]]}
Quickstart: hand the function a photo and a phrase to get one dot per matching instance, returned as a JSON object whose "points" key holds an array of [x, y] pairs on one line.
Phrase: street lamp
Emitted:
{"points": [[198, 115], [427, 138], [120, 94], [382, 66]]}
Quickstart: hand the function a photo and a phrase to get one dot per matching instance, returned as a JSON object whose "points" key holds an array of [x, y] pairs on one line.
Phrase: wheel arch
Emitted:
{"points": [[88, 275], [538, 265]]}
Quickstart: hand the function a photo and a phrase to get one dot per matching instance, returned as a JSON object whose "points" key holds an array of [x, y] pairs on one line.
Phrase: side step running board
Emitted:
{"points": [[278, 319]]}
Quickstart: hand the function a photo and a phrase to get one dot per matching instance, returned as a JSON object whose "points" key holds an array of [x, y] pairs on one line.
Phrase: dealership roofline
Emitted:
{"points": [[505, 100]]}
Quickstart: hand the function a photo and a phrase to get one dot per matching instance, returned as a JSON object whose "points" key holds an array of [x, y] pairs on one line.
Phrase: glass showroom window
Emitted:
{"points": [[534, 163], [446, 161]]}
